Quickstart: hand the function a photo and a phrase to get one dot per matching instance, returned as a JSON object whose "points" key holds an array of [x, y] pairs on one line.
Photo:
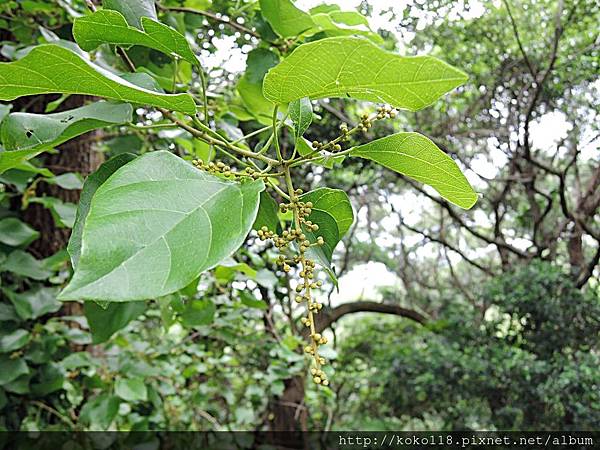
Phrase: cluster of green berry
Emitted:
{"points": [[226, 171], [306, 282]]}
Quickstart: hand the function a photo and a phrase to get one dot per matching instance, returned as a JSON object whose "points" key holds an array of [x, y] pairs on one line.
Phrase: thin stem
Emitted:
{"points": [[204, 96], [307, 282], [254, 133], [275, 134]]}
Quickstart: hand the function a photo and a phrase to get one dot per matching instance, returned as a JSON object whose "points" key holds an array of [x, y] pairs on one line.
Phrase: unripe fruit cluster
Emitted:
{"points": [[306, 281], [224, 170]]}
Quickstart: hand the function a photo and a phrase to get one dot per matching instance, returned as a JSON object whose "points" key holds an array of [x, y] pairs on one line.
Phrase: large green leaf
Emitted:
{"points": [[106, 322], [333, 213], [106, 26], [355, 67], [155, 225], [28, 134], [50, 68], [133, 10], [416, 156], [91, 185], [285, 19]]}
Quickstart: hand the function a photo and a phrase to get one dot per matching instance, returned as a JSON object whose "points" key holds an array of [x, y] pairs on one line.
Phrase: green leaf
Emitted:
{"points": [[333, 213], [252, 302], [15, 159], [50, 69], [35, 302], [24, 131], [167, 222], [13, 341], [417, 157], [24, 264], [50, 378], [301, 113], [267, 213], [355, 67], [67, 180], [198, 313], [249, 86], [344, 23], [99, 412], [328, 160], [15, 233], [63, 213], [133, 10], [131, 389], [92, 183], [106, 26], [104, 322], [285, 19], [11, 369]]}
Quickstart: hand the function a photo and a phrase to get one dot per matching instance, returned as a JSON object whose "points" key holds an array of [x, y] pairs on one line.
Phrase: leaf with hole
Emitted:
{"points": [[355, 67], [167, 222], [417, 157], [106, 26], [24, 131], [50, 69]]}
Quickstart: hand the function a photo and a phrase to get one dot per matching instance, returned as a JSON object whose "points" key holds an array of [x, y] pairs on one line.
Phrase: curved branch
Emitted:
{"points": [[328, 316]]}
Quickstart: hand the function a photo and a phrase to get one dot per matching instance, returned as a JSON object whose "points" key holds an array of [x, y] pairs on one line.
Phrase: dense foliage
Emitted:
{"points": [[178, 237]]}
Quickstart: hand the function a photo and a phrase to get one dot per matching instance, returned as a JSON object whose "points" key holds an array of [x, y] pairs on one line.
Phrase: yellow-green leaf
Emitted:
{"points": [[417, 157], [357, 68]]}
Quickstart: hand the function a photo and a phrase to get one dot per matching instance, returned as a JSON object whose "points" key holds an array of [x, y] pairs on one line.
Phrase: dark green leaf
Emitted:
{"points": [[333, 213], [267, 213], [11, 368], [198, 313], [99, 412], [251, 301], [104, 322], [10, 342], [15, 233], [167, 222]]}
